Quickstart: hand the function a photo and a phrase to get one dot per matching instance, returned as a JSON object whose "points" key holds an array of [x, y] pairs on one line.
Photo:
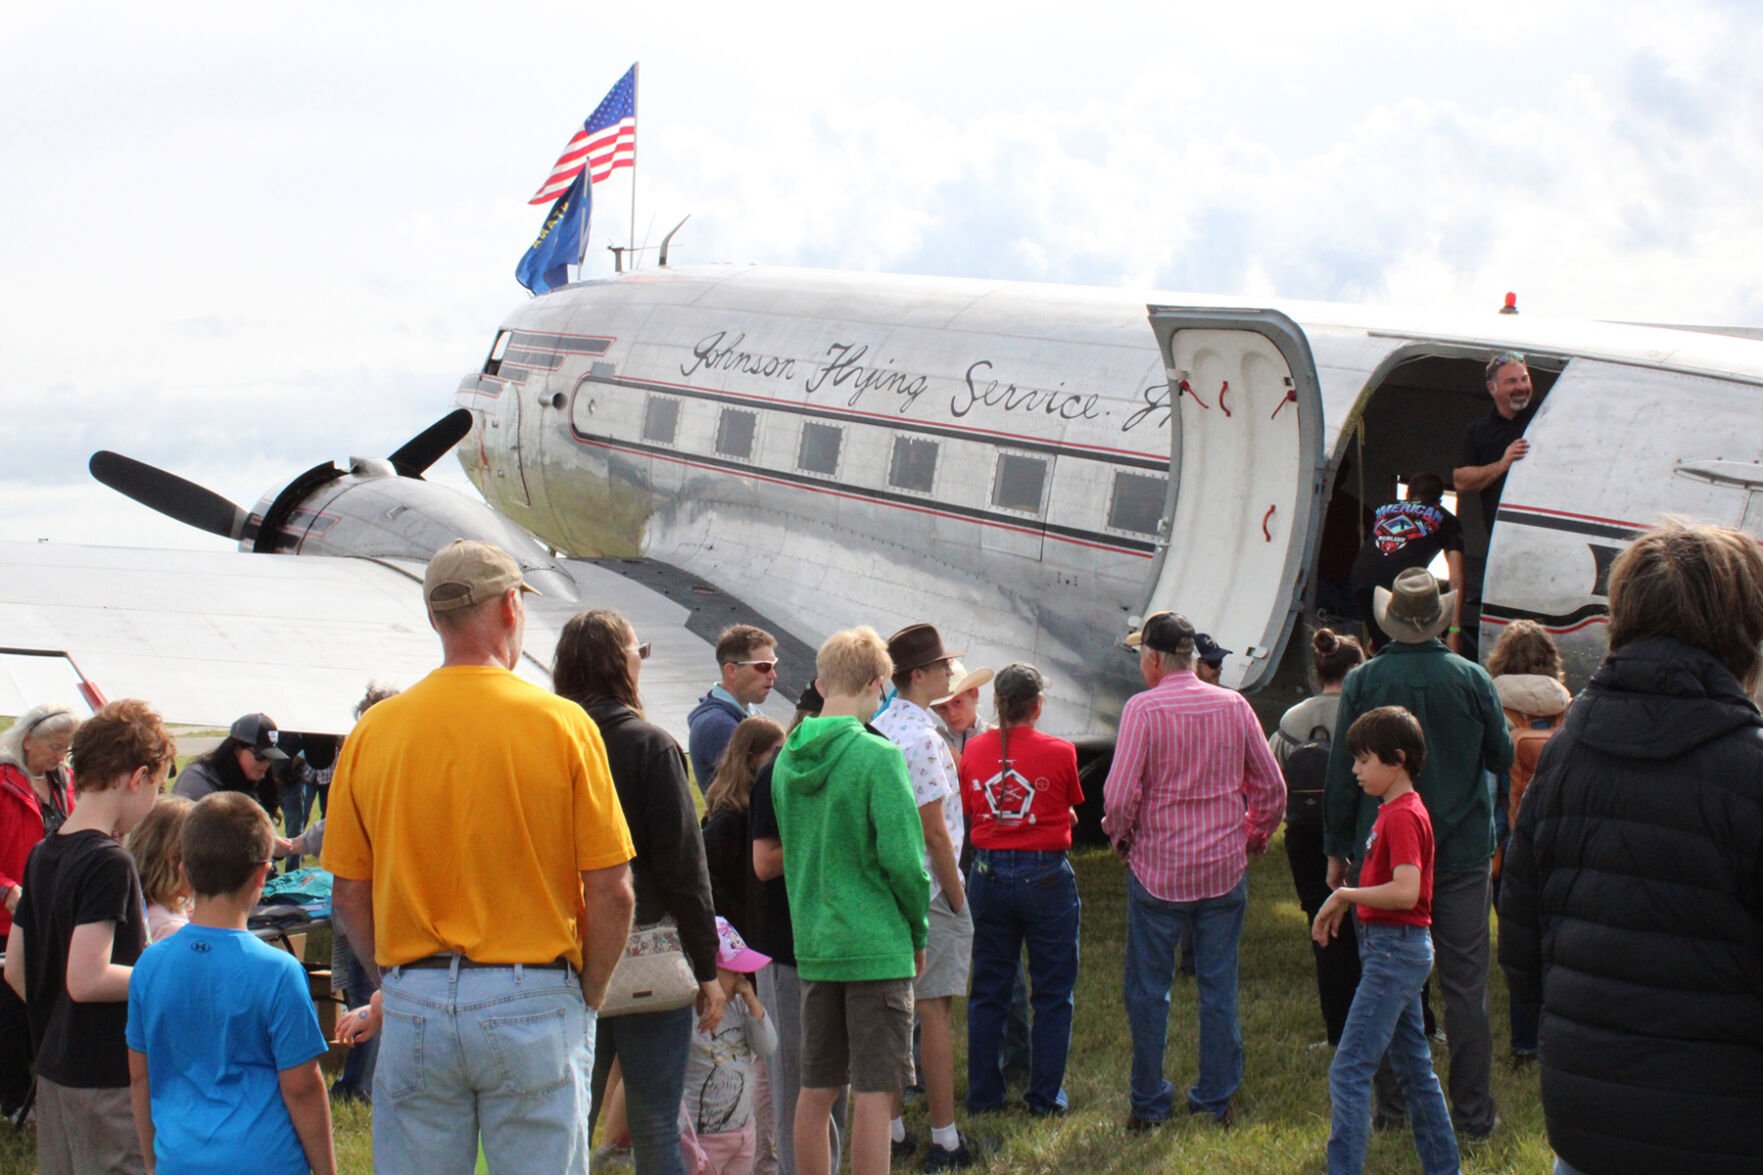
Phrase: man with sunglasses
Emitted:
{"points": [[747, 657], [1494, 443]]}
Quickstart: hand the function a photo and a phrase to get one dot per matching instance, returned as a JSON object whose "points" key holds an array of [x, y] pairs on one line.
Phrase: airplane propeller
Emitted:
{"points": [[171, 495], [206, 510], [431, 444]]}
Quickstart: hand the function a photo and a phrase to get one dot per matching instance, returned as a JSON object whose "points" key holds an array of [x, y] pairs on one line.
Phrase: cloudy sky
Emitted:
{"points": [[242, 239]]}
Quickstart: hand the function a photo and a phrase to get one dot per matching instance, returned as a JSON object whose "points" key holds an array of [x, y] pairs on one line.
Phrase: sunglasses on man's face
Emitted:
{"points": [[644, 649], [762, 666]]}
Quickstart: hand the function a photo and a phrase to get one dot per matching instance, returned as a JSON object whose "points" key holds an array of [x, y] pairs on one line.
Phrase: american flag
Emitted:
{"points": [[606, 142]]}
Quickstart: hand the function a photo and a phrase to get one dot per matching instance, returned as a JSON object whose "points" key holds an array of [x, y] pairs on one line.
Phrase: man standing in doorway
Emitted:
{"points": [[1493, 444], [747, 658], [1465, 728], [1192, 793], [480, 854]]}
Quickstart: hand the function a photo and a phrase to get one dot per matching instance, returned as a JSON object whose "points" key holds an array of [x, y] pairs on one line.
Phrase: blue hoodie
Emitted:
{"points": [[711, 724]]}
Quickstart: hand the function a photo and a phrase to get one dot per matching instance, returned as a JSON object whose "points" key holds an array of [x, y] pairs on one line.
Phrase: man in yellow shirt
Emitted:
{"points": [[480, 859]]}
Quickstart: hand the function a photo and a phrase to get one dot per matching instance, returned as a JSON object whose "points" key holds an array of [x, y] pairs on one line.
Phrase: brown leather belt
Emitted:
{"points": [[465, 964]]}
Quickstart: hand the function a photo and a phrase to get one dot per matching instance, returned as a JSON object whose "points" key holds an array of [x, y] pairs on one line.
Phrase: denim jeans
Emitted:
{"points": [[358, 989], [1153, 928], [1021, 897], [651, 1049], [1394, 962], [501, 1050]]}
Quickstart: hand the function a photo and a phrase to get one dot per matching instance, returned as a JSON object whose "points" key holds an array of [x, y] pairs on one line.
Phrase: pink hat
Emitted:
{"points": [[733, 953]]}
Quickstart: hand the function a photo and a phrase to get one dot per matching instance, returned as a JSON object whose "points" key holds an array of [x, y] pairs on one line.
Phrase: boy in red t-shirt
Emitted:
{"points": [[1395, 952]]}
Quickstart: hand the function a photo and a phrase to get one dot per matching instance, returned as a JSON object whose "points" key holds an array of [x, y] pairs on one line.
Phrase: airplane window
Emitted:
{"points": [[914, 466], [734, 432], [661, 420], [1021, 482], [1137, 503], [493, 364], [819, 450]]}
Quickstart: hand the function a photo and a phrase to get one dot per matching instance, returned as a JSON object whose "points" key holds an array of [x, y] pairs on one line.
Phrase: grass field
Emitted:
{"points": [[1281, 1110]]}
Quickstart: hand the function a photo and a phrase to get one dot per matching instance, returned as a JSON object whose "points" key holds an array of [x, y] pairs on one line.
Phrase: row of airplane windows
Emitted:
{"points": [[1019, 484]]}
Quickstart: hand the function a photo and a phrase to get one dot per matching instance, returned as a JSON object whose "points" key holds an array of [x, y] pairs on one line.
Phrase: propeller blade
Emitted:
{"points": [[431, 444], [169, 494]]}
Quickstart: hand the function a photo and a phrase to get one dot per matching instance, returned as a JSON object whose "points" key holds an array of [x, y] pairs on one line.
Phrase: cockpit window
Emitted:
{"points": [[493, 365]]}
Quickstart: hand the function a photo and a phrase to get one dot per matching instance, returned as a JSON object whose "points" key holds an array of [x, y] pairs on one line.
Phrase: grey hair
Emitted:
{"points": [[1174, 662], [44, 720]]}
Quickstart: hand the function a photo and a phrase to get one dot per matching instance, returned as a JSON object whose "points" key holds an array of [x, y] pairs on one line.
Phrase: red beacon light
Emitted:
{"points": [[1511, 305]]}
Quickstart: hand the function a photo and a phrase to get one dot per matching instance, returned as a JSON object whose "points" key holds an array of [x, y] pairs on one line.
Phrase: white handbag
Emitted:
{"points": [[653, 974]]}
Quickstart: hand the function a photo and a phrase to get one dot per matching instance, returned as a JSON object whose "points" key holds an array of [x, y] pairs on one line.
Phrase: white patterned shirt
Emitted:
{"points": [[914, 730]]}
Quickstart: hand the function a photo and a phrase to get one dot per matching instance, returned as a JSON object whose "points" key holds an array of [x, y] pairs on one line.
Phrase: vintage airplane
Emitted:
{"points": [[1032, 467]]}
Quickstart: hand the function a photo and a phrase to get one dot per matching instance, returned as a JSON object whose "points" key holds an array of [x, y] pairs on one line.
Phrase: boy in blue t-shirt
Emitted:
{"points": [[223, 1040], [1394, 896]]}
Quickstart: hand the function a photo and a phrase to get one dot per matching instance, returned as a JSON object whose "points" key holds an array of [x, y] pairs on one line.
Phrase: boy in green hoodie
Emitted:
{"points": [[859, 899]]}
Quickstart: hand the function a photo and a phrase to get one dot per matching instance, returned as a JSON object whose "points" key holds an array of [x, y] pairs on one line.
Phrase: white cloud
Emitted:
{"points": [[245, 239]]}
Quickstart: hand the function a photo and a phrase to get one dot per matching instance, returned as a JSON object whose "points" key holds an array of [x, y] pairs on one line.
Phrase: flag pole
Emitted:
{"points": [[635, 91]]}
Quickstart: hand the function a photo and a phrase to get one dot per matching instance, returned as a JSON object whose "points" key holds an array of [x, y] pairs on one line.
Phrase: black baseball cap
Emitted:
{"points": [[259, 732]]}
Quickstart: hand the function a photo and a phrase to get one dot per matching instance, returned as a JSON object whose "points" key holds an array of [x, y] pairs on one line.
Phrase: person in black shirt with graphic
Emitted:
{"points": [[78, 930], [1492, 444], [1408, 534]]}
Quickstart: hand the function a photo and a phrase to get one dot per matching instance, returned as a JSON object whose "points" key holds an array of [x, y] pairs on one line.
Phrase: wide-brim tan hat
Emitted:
{"points": [[963, 680], [1414, 610]]}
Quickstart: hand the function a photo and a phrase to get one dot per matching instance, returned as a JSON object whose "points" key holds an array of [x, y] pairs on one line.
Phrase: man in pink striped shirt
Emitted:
{"points": [[1192, 792]]}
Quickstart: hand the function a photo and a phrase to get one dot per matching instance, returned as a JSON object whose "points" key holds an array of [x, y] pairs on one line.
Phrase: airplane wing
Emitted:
{"points": [[208, 635]]}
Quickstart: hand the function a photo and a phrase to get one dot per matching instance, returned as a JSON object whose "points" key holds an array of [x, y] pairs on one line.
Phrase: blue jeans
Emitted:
{"points": [[1020, 896], [359, 1067], [1394, 962], [501, 1050], [651, 1049], [1153, 929]]}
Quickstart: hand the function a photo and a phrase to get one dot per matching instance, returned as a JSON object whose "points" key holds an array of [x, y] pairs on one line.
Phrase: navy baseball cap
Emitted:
{"points": [[1209, 650]]}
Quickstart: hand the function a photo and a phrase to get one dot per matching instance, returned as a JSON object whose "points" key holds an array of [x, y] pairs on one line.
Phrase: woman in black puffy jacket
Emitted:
{"points": [[1631, 907]]}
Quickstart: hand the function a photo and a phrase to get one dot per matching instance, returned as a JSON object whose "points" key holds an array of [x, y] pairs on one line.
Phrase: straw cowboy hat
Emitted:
{"points": [[1414, 610]]}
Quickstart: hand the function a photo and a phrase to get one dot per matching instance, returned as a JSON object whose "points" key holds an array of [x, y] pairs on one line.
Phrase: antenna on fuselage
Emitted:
{"points": [[618, 251]]}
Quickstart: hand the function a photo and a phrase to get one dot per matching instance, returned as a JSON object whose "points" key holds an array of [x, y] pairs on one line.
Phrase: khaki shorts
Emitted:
{"points": [[859, 1032], [948, 953]]}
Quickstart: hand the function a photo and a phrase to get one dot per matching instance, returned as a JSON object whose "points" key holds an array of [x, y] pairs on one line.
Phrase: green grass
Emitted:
{"points": [[1282, 1108]]}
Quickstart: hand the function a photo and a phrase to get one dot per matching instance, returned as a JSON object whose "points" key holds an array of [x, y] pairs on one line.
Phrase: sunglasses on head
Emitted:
{"points": [[1503, 358]]}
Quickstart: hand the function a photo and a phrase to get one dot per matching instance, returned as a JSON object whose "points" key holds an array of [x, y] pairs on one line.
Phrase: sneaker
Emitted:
{"points": [[1138, 1125], [962, 1157], [906, 1147], [1476, 1137]]}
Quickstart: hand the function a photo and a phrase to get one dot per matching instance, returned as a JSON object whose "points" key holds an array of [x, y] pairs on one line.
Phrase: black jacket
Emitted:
{"points": [[649, 772], [1631, 909]]}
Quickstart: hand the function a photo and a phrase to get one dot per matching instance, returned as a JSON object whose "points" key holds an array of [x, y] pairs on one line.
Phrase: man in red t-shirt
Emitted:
{"points": [[1394, 897], [1018, 789]]}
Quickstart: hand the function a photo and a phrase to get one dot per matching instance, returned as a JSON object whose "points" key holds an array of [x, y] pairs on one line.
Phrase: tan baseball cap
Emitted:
{"points": [[466, 573]]}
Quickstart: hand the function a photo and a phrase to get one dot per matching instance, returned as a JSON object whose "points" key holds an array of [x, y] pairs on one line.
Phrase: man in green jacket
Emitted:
{"points": [[859, 900], [1466, 738]]}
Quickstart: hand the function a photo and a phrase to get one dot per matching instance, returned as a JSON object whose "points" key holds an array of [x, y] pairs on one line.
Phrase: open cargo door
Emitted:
{"points": [[1246, 468]]}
